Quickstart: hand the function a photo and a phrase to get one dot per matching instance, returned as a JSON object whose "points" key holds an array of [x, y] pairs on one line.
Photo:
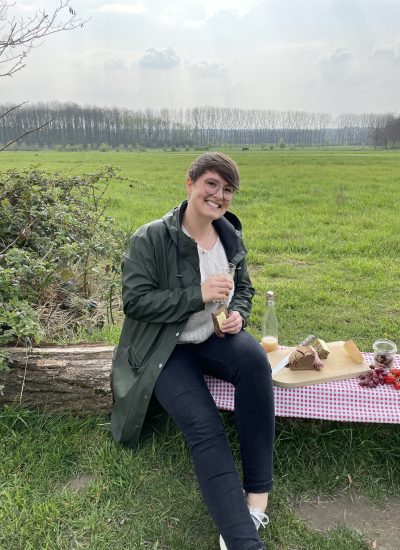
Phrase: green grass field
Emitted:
{"points": [[322, 229]]}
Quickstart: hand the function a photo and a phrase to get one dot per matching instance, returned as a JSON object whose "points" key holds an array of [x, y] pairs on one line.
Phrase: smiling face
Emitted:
{"points": [[206, 204]]}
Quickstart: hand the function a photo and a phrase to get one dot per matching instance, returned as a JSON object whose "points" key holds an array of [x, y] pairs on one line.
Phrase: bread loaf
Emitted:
{"points": [[302, 358]]}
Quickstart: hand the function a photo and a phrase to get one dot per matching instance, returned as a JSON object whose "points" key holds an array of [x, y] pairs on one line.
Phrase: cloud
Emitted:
{"points": [[197, 15], [384, 63], [207, 69], [337, 57], [179, 15], [180, 22], [194, 24], [338, 68], [115, 65], [159, 59], [386, 53], [289, 48], [232, 8], [134, 8], [109, 60]]}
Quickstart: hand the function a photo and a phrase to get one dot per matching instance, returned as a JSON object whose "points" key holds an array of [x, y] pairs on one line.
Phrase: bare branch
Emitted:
{"points": [[19, 36], [2, 115]]}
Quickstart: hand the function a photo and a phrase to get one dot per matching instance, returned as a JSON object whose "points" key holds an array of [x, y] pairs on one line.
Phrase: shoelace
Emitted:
{"points": [[258, 517]]}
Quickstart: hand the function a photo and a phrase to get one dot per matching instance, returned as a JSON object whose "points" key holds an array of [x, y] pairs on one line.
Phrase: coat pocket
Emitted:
{"points": [[134, 359], [122, 376], [144, 341]]}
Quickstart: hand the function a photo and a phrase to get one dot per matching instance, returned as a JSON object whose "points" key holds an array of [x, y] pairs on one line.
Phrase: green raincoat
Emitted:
{"points": [[160, 290]]}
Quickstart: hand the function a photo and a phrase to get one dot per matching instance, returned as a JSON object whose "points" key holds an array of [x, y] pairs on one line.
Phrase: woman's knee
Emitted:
{"points": [[193, 410], [249, 356]]}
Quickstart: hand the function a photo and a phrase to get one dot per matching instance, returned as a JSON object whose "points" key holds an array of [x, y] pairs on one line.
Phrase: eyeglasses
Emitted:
{"points": [[213, 187]]}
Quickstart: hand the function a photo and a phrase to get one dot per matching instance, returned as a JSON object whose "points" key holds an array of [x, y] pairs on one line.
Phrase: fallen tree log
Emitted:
{"points": [[74, 379]]}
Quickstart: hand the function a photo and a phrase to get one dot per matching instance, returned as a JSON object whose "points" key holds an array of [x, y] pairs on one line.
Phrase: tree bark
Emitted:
{"points": [[73, 379]]}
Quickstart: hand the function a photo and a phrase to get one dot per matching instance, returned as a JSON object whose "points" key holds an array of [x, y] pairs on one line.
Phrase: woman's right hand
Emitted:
{"points": [[216, 288]]}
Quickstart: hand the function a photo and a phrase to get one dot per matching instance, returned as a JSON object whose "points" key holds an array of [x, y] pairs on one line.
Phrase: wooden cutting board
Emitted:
{"points": [[338, 366]]}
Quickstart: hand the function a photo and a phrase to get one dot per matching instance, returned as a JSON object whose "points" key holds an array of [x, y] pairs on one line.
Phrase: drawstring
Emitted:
{"points": [[178, 258]]}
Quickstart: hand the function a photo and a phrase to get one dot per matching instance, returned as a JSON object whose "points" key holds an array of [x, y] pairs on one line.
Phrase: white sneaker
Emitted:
{"points": [[259, 518], [222, 544]]}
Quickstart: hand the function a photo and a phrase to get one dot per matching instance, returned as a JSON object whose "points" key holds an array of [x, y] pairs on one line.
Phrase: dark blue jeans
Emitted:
{"points": [[183, 393]]}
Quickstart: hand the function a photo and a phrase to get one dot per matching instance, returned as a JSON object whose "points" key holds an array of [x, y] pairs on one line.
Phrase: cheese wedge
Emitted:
{"points": [[218, 318], [318, 344], [353, 351], [221, 318]]}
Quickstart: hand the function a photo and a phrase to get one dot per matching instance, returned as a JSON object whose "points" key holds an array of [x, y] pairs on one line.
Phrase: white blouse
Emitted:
{"points": [[200, 325]]}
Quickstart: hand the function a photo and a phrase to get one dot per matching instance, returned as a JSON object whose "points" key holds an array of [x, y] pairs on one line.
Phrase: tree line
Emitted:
{"points": [[66, 125]]}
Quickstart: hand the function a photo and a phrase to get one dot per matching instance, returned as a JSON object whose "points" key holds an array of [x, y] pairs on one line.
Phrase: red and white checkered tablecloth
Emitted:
{"points": [[343, 400]]}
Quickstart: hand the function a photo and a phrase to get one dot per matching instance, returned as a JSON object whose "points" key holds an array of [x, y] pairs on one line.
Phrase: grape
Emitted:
{"points": [[374, 377]]}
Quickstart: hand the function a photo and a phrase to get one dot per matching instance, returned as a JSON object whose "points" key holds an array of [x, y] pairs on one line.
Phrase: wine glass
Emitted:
{"points": [[229, 270]]}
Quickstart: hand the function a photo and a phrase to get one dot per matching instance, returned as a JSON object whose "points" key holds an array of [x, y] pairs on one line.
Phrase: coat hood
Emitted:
{"points": [[228, 228]]}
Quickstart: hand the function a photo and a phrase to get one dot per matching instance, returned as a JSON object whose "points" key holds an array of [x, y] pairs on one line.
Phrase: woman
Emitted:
{"points": [[172, 281]]}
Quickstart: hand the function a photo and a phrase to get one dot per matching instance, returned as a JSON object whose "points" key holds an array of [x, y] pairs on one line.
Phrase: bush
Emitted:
{"points": [[104, 147], [59, 255]]}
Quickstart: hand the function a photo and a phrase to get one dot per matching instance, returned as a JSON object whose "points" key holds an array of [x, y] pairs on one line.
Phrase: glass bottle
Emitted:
{"points": [[269, 338]]}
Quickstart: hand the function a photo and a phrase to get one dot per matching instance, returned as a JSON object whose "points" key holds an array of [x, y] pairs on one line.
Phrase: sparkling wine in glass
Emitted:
{"points": [[230, 272]]}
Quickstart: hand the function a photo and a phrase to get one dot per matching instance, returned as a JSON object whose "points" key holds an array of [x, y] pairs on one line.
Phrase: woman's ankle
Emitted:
{"points": [[258, 501]]}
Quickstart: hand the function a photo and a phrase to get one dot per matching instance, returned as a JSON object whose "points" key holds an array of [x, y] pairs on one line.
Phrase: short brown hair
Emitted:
{"points": [[225, 167]]}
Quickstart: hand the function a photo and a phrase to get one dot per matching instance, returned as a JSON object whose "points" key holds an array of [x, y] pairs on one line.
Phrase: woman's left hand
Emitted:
{"points": [[233, 323]]}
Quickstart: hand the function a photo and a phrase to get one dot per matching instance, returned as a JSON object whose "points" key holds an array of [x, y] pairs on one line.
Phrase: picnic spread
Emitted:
{"points": [[337, 365], [338, 399]]}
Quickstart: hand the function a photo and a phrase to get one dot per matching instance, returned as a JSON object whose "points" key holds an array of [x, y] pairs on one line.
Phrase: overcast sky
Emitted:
{"points": [[314, 55]]}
